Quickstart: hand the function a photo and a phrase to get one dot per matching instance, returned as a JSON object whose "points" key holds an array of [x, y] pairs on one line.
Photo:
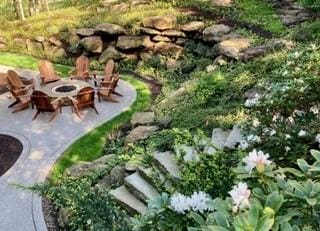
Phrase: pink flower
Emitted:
{"points": [[240, 196], [256, 159]]}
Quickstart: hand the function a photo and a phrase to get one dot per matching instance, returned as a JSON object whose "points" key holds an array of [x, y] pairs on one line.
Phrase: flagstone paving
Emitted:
{"points": [[43, 143]]}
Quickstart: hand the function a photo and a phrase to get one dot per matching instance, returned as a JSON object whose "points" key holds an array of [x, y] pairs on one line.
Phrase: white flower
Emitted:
{"points": [[318, 138], [198, 202], [243, 145], [290, 119], [251, 102], [287, 148], [289, 62], [302, 133], [254, 138], [287, 136], [285, 73], [298, 112], [255, 123], [273, 132], [275, 117], [179, 203], [296, 54], [314, 110], [256, 159], [240, 196]]}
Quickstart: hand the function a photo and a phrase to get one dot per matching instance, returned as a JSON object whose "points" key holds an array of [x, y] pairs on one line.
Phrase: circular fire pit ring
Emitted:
{"points": [[10, 150], [66, 88]]}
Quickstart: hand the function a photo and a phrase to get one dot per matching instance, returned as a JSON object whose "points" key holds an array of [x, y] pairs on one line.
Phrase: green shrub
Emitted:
{"points": [[90, 208], [212, 174]]}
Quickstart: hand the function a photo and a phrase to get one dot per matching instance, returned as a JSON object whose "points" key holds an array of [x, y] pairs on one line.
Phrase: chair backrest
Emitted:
{"points": [[46, 69], [86, 96], [14, 80], [41, 100], [82, 65], [109, 69]]}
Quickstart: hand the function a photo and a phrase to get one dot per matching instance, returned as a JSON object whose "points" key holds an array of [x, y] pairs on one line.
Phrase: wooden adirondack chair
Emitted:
{"points": [[82, 69], [20, 91], [83, 100], [111, 76], [106, 89], [43, 103], [47, 73]]}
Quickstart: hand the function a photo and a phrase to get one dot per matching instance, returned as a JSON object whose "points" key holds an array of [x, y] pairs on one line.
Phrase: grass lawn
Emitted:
{"points": [[90, 146]]}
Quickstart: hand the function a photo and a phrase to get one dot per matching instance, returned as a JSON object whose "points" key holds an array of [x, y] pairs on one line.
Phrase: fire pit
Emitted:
{"points": [[65, 88]]}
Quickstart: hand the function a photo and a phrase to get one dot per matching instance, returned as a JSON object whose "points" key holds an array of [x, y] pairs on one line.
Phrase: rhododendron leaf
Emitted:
{"points": [[253, 216], [221, 220], [293, 171], [274, 201], [303, 165], [217, 228], [312, 201], [315, 154], [296, 186], [198, 218], [285, 226], [265, 224]]}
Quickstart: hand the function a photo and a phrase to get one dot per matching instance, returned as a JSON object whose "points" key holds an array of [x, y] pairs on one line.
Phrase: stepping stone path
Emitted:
{"points": [[140, 186], [226, 138], [290, 12]]}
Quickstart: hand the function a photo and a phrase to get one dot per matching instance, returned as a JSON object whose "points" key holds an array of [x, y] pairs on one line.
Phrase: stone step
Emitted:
{"points": [[219, 137], [155, 177], [234, 138], [140, 188], [128, 201], [167, 162]]}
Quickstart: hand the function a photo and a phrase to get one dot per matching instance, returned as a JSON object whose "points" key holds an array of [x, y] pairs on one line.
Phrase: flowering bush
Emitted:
{"points": [[272, 198], [285, 119]]}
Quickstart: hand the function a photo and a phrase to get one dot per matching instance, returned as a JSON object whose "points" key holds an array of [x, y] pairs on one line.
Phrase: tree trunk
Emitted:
{"points": [[32, 7], [19, 9], [45, 5]]}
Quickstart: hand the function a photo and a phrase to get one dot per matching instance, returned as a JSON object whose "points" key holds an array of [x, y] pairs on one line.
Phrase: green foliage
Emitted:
{"points": [[288, 107], [88, 208], [308, 32], [212, 174], [259, 12], [311, 4]]}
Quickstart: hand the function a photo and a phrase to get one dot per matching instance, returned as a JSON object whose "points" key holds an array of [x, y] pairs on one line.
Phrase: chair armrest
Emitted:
{"points": [[56, 100], [22, 96], [73, 99]]}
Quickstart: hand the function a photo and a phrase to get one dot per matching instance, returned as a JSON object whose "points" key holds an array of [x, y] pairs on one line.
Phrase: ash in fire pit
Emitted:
{"points": [[66, 88]]}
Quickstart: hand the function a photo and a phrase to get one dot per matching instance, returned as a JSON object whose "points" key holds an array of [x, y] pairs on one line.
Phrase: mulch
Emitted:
{"points": [[10, 150]]}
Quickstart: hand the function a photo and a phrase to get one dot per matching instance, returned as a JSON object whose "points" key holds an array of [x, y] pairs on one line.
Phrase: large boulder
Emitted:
{"points": [[72, 38], [160, 22], [168, 49], [223, 3], [58, 52], [133, 42], [109, 29], [141, 133], [34, 46], [214, 33], [142, 118], [92, 44], [85, 32], [3, 43], [233, 47], [19, 43], [111, 53], [149, 31], [193, 26], [53, 40], [173, 33], [159, 38]]}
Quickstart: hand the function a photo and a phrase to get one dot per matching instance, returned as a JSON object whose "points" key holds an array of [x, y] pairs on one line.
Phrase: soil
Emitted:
{"points": [[50, 215], [10, 150]]}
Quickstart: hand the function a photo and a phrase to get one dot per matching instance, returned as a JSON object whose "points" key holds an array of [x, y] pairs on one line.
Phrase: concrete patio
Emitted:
{"points": [[43, 143]]}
